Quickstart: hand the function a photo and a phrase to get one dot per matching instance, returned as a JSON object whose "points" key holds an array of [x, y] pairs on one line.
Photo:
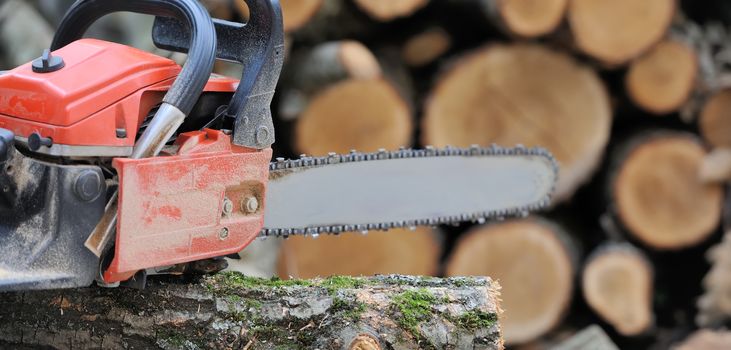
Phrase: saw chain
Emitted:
{"points": [[281, 167]]}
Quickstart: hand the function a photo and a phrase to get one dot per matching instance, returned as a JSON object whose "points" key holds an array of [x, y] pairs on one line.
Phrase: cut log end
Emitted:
{"points": [[617, 285], [385, 11], [520, 253], [364, 342], [357, 60], [531, 18], [658, 194], [395, 251], [296, 13], [706, 339], [615, 31], [365, 115], [425, 47], [523, 94], [662, 80], [715, 119]]}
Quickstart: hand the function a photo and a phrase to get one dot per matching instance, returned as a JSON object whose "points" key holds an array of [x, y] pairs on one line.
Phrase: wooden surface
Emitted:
{"points": [[523, 94], [230, 311], [396, 251], [615, 31], [658, 194], [617, 283], [364, 115], [535, 269], [662, 80]]}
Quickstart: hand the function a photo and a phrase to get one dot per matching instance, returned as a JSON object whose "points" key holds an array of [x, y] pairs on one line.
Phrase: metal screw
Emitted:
{"points": [[223, 234], [228, 207], [249, 205]]}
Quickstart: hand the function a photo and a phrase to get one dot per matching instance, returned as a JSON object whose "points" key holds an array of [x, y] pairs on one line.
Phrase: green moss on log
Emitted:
{"points": [[475, 320], [414, 307]]}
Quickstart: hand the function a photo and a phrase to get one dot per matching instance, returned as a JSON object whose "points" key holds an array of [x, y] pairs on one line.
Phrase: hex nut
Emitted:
{"points": [[228, 207], [249, 205], [223, 234]]}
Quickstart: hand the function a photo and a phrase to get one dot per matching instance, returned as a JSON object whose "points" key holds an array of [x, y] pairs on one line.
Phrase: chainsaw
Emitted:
{"points": [[116, 163]]}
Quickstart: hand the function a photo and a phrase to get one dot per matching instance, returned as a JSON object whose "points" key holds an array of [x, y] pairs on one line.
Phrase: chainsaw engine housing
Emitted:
{"points": [[72, 120]]}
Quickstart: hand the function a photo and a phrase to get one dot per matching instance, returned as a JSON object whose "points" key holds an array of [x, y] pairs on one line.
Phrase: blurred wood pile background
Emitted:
{"points": [[632, 97]]}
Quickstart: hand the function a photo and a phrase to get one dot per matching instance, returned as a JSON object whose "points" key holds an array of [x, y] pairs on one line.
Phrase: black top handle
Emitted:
{"points": [[259, 46], [198, 28]]}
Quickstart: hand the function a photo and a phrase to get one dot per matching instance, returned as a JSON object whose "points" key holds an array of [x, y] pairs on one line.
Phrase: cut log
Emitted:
{"points": [[706, 339], [662, 80], [231, 311], [388, 10], [396, 251], [334, 20], [365, 115], [523, 94], [716, 167], [715, 119], [616, 31], [527, 18], [657, 193], [426, 46], [617, 283], [296, 13], [312, 70], [535, 267]]}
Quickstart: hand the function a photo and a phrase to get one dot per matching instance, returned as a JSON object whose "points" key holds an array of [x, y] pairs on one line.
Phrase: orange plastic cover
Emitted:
{"points": [[97, 74]]}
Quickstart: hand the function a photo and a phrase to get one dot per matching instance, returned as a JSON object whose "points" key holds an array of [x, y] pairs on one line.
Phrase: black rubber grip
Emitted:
{"points": [[190, 82]]}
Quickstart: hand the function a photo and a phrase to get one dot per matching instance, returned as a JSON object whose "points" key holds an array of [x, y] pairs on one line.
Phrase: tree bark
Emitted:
{"points": [[523, 94], [518, 253], [656, 192], [230, 311], [616, 31], [617, 283], [714, 306]]}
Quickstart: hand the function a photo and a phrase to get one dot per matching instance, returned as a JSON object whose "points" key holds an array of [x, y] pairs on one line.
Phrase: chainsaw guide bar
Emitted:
{"points": [[317, 195]]}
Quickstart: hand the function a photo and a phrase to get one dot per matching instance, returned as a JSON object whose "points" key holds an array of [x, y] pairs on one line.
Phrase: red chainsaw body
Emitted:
{"points": [[103, 87], [170, 207]]}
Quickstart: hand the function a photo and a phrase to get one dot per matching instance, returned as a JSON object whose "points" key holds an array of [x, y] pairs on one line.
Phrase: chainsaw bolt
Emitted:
{"points": [[223, 234], [249, 205], [262, 134], [228, 207], [88, 185]]}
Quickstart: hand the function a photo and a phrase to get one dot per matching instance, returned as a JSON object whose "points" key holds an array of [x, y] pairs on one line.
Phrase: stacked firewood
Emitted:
{"points": [[632, 97]]}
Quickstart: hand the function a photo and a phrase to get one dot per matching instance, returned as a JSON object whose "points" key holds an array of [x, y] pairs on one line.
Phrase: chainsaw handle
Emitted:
{"points": [[202, 38], [258, 46]]}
